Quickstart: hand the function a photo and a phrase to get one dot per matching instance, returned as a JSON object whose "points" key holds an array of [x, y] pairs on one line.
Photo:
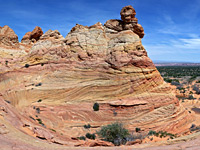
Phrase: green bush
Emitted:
{"points": [[6, 63], [96, 107], [39, 101], [198, 81], [190, 97], [90, 136], [38, 110], [39, 84], [114, 133], [26, 65], [81, 138], [87, 126], [53, 130], [161, 134], [137, 129], [151, 132]]}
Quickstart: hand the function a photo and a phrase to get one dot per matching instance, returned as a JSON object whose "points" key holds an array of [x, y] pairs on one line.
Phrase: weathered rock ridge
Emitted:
{"points": [[8, 36], [128, 22], [49, 91], [32, 37]]}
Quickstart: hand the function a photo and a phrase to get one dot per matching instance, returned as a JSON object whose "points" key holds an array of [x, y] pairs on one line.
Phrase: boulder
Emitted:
{"points": [[8, 36], [32, 37], [55, 35]]}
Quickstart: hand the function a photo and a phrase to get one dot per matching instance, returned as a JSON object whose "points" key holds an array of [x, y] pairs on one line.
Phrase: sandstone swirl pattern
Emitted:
{"points": [[92, 64]]}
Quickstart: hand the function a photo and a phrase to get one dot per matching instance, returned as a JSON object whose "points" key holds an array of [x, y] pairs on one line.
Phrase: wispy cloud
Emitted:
{"points": [[176, 50], [26, 14], [187, 44]]}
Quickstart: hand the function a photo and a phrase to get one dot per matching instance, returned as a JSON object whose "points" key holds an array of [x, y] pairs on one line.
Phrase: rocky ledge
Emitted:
{"points": [[49, 83]]}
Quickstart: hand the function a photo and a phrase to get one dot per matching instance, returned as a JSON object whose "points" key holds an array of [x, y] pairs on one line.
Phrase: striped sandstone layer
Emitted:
{"points": [[64, 77]]}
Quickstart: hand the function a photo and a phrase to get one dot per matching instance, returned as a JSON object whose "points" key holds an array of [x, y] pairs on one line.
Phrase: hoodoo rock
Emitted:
{"points": [[32, 36], [54, 87], [8, 36], [128, 22]]}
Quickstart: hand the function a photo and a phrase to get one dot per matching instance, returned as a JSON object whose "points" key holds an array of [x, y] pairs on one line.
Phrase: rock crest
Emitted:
{"points": [[55, 35], [32, 37], [8, 36], [128, 22]]}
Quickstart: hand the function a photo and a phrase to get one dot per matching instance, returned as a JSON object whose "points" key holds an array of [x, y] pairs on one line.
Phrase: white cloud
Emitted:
{"points": [[180, 49], [187, 44]]}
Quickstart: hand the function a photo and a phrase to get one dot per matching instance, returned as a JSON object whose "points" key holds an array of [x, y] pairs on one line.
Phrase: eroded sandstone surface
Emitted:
{"points": [[49, 84]]}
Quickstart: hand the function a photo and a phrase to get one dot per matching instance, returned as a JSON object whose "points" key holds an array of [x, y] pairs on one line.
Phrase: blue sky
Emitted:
{"points": [[172, 27]]}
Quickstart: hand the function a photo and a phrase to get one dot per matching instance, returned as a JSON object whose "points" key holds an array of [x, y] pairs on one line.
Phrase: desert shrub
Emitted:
{"points": [[171, 80], [39, 100], [179, 71], [198, 81], [168, 80], [196, 89], [180, 88], [192, 126], [151, 132], [26, 65], [175, 83], [87, 126], [81, 138], [39, 84], [38, 110], [32, 118], [193, 78], [40, 122], [137, 129], [6, 63], [190, 97], [90, 136], [161, 134], [53, 130], [114, 133], [96, 107], [114, 113], [9, 102]]}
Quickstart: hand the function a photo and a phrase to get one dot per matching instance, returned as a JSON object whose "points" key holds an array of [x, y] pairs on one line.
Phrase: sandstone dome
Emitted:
{"points": [[48, 86]]}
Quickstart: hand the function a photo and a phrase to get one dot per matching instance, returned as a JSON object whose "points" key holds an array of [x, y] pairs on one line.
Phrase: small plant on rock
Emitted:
{"points": [[114, 133], [81, 138], [26, 65], [90, 136], [137, 129], [39, 100], [39, 84], [87, 126], [96, 107]]}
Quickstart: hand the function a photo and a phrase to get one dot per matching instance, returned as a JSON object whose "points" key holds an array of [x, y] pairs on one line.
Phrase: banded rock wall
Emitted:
{"points": [[92, 64]]}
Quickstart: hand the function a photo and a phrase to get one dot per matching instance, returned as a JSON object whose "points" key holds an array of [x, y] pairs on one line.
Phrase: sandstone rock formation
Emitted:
{"points": [[8, 36], [32, 36], [128, 22], [50, 92], [52, 34]]}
